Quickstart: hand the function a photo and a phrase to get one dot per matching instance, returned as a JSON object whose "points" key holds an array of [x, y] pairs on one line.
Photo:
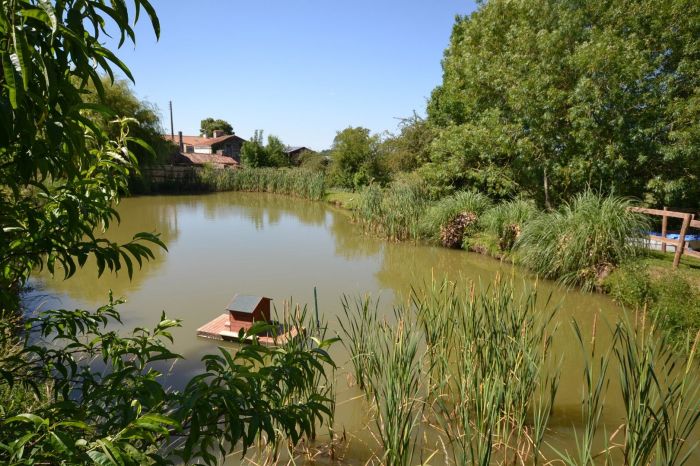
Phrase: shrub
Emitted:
{"points": [[584, 240], [505, 221], [443, 214]]}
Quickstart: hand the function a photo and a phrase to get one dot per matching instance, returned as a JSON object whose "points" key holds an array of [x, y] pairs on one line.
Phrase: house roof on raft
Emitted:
{"points": [[245, 303]]}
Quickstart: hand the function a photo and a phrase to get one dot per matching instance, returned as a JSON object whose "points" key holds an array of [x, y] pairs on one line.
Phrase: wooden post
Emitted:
{"points": [[664, 229], [681, 240]]}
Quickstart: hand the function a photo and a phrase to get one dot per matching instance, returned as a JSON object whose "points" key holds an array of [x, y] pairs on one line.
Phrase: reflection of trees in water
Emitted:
{"points": [[406, 264], [262, 209], [350, 240]]}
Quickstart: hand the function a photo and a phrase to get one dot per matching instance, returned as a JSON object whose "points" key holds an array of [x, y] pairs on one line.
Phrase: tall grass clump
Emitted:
{"points": [[294, 182], [360, 319], [498, 347], [395, 377], [393, 212], [369, 207], [505, 221], [403, 206], [453, 217], [660, 395], [583, 241], [387, 361]]}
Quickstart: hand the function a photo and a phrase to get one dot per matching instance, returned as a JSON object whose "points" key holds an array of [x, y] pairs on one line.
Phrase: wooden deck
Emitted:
{"points": [[220, 329]]}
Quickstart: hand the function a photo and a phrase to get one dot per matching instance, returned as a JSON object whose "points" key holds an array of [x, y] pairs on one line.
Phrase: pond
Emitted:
{"points": [[281, 247]]}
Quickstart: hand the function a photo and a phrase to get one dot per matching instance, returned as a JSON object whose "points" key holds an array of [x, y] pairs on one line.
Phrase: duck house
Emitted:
{"points": [[241, 313], [244, 308]]}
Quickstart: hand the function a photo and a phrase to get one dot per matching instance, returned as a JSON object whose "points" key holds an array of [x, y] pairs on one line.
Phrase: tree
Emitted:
{"points": [[144, 124], [409, 149], [253, 154], [356, 159], [558, 96], [277, 152], [315, 161], [74, 390], [209, 125]]}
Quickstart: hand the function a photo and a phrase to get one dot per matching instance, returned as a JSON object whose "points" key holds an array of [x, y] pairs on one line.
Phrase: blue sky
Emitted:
{"points": [[299, 69]]}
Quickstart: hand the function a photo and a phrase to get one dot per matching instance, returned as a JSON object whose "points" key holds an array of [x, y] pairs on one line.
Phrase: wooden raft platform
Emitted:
{"points": [[223, 329]]}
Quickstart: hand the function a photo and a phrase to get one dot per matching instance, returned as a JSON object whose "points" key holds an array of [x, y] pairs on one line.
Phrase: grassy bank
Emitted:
{"points": [[594, 243]]}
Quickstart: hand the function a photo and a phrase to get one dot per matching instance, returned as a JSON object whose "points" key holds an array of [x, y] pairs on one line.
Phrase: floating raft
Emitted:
{"points": [[241, 313]]}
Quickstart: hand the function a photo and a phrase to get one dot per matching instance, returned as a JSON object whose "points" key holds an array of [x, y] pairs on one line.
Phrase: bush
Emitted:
{"points": [[505, 221], [443, 215], [583, 241]]}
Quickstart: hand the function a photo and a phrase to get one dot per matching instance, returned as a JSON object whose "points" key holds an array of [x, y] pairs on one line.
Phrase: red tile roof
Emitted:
{"points": [[200, 141], [192, 158]]}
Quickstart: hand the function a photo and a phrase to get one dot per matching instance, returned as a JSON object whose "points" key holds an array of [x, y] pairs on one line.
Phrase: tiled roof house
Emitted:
{"points": [[221, 149]]}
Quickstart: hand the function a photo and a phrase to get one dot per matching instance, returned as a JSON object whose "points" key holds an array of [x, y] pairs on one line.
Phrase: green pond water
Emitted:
{"points": [[281, 247]]}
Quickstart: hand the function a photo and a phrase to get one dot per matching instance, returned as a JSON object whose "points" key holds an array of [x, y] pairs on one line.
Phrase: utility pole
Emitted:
{"points": [[172, 127]]}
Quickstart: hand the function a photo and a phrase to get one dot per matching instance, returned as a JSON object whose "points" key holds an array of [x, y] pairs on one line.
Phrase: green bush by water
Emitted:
{"points": [[505, 221], [582, 241], [446, 209], [669, 296]]}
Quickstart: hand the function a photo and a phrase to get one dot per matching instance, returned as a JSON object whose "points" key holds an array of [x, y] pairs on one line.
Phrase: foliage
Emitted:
{"points": [[410, 148], [490, 379], [387, 366], [584, 240], [79, 392], [144, 123], [395, 211], [506, 221], [99, 397], [253, 154], [296, 182], [209, 125], [551, 98], [669, 296], [60, 174], [315, 161], [447, 209], [276, 152], [356, 158]]}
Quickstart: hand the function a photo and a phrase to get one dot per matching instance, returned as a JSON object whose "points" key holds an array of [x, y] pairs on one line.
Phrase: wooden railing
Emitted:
{"points": [[680, 243]]}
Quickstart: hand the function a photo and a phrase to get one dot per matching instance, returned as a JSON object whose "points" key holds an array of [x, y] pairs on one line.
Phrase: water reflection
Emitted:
{"points": [[282, 247]]}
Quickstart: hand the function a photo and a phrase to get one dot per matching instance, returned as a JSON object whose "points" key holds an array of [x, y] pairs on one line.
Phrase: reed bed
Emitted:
{"points": [[393, 212], [476, 368], [294, 182]]}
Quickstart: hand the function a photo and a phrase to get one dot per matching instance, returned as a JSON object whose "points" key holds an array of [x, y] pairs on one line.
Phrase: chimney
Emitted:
{"points": [[218, 133], [182, 145]]}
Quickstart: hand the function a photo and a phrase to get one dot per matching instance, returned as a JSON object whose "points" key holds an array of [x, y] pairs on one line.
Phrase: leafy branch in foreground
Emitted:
{"points": [[98, 397]]}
